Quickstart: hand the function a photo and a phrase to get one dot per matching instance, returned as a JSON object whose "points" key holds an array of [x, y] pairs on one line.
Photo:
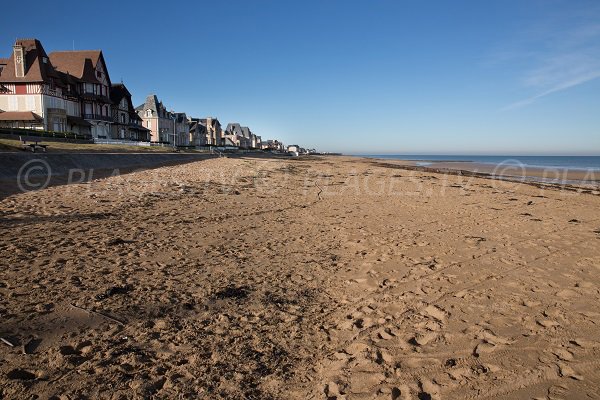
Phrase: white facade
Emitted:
{"points": [[41, 100]]}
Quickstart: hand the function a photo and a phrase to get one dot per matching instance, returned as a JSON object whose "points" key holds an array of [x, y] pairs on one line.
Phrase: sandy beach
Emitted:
{"points": [[300, 278]]}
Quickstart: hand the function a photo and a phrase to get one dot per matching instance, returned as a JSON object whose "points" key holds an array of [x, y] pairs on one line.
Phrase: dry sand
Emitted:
{"points": [[335, 278]]}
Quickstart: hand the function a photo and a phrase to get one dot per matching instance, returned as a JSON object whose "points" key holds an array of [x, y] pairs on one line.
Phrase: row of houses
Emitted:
{"points": [[71, 91]]}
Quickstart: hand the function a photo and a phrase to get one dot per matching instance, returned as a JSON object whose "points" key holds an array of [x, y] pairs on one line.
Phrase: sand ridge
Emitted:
{"points": [[327, 277]]}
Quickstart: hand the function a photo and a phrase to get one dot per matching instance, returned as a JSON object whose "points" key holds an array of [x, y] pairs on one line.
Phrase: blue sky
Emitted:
{"points": [[380, 76]]}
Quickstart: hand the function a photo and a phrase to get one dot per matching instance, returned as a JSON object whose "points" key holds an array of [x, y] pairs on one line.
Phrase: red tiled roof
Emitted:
{"points": [[19, 116], [81, 64], [35, 68]]}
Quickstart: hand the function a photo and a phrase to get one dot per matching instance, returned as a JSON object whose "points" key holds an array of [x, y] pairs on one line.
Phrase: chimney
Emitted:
{"points": [[19, 56]]}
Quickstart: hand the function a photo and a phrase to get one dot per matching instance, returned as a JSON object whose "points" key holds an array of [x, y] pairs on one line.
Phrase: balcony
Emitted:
{"points": [[95, 97], [98, 117]]}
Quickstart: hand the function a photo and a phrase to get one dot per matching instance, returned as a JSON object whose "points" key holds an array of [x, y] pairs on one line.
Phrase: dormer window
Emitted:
{"points": [[45, 60], [148, 113]]}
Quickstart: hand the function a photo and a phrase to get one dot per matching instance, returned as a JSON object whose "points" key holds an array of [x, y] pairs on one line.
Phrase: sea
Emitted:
{"points": [[586, 163]]}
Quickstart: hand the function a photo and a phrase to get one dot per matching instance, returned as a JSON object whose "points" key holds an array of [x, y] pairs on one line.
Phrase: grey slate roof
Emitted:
{"points": [[180, 117], [151, 103], [246, 132], [235, 129]]}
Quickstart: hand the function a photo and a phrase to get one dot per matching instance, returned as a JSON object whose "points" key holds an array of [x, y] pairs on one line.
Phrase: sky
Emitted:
{"points": [[361, 77]]}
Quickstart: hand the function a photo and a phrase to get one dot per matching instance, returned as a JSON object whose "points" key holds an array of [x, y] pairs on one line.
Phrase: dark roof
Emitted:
{"points": [[79, 63], [180, 117], [151, 103], [77, 121], [197, 126], [246, 132], [36, 70], [234, 128], [118, 91], [139, 128], [214, 121]]}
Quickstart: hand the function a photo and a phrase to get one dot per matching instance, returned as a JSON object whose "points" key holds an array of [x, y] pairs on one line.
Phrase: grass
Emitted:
{"points": [[62, 147]]}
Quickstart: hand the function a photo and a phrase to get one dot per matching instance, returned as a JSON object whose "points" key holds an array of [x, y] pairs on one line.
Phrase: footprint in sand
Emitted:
{"points": [[424, 338], [436, 313], [429, 390]]}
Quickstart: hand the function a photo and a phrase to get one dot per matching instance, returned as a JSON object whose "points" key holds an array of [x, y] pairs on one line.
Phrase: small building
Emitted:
{"points": [[273, 145], [157, 119], [198, 132], [127, 124], [246, 139], [205, 131], [181, 129], [235, 134], [213, 130]]}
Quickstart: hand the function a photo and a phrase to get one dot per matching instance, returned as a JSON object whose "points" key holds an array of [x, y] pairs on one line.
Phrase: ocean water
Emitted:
{"points": [[589, 163]]}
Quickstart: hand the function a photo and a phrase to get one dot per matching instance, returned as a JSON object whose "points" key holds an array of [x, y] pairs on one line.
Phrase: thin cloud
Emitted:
{"points": [[563, 86], [562, 59]]}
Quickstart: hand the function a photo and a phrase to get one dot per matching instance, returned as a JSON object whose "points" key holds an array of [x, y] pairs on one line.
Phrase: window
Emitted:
{"points": [[123, 118], [149, 124], [148, 113]]}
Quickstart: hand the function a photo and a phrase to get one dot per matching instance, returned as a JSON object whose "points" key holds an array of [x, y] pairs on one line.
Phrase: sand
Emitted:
{"points": [[323, 277]]}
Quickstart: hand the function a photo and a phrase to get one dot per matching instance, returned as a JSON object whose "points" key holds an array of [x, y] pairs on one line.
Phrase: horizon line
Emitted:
{"points": [[471, 154]]}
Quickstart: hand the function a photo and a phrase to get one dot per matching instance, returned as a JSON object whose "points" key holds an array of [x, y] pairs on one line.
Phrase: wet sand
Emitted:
{"points": [[513, 169], [321, 277]]}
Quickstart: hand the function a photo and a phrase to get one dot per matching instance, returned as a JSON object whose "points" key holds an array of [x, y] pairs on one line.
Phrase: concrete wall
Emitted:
{"points": [[61, 165], [27, 136]]}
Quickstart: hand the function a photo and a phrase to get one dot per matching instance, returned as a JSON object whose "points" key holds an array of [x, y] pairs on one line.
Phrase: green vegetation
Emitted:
{"points": [[62, 147], [42, 133]]}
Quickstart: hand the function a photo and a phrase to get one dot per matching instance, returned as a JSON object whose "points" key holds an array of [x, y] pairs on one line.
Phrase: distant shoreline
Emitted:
{"points": [[583, 163], [508, 167], [576, 180]]}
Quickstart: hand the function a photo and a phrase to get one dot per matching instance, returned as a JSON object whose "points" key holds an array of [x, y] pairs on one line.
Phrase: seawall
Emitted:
{"points": [[20, 171]]}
